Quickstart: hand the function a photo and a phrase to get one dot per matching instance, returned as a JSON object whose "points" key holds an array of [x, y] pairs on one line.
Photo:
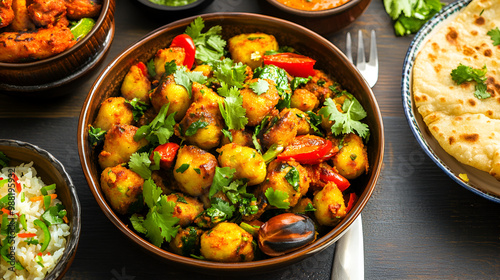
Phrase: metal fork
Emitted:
{"points": [[368, 70]]}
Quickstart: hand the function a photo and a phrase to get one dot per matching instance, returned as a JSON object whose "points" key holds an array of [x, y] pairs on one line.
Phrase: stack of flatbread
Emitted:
{"points": [[466, 127]]}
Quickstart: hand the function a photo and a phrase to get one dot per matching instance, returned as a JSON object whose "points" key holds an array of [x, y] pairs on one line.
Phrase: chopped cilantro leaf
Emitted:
{"points": [[151, 68], [230, 73], [209, 45], [223, 177], [293, 178], [151, 193], [347, 121], [278, 199], [495, 36], [298, 81], [194, 126], [139, 163], [464, 73], [309, 207], [185, 78], [228, 134], [159, 130], [231, 109], [280, 78], [259, 87], [96, 135], [257, 130], [159, 222], [137, 222], [314, 121], [170, 67], [138, 108], [182, 168]]}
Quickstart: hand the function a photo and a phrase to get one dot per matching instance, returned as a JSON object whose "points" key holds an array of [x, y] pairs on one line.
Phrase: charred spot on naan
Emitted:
{"points": [[473, 137], [492, 86], [479, 21], [452, 35]]}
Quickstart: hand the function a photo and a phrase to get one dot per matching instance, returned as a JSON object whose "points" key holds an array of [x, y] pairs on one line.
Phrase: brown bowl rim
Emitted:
{"points": [[167, 8], [332, 236], [75, 229], [100, 20], [320, 13]]}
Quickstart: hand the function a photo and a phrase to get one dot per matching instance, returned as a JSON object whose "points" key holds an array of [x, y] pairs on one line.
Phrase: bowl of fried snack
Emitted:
{"points": [[46, 44], [231, 142]]}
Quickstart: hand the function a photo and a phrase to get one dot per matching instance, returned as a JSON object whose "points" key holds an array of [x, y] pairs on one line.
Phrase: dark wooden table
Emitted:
{"points": [[419, 224]]}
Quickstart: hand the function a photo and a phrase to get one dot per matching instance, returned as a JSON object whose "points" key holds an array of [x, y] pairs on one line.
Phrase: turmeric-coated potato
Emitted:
{"points": [[186, 208], [352, 159], [205, 69], [319, 85], [249, 48], [194, 170], [166, 55], [303, 206], [227, 242], [186, 242], [329, 204], [121, 187], [286, 176], [113, 111], [259, 106], [304, 100], [136, 84], [240, 137], [119, 145], [247, 162], [300, 118], [170, 92], [282, 129]]}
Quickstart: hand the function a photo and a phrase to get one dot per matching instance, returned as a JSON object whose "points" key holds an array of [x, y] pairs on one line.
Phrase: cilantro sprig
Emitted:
{"points": [[494, 35], [232, 109], [259, 87], [230, 73], [278, 75], [464, 73], [159, 130], [277, 198], [138, 108], [96, 135], [347, 121], [209, 45], [159, 224]]}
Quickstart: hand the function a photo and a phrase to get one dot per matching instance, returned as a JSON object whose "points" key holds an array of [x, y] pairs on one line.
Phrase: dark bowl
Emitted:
{"points": [[50, 171], [196, 5], [64, 67], [325, 21], [328, 57]]}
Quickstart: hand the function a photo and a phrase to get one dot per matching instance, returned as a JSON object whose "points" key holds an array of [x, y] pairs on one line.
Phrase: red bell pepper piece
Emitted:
{"points": [[295, 64], [329, 175], [307, 149], [186, 42], [352, 199], [143, 68], [167, 151]]}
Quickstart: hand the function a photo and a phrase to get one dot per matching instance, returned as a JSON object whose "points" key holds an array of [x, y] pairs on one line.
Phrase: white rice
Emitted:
{"points": [[26, 254]]}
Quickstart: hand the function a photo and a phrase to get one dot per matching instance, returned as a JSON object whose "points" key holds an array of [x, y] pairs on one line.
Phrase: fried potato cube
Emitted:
{"points": [[247, 162], [166, 55], [122, 187], [352, 159], [249, 48], [136, 85], [227, 242], [194, 170], [259, 106], [330, 205], [119, 145], [113, 111], [186, 208], [170, 92]]}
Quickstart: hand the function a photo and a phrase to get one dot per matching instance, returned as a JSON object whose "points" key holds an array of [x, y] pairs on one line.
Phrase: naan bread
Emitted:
{"points": [[466, 127]]}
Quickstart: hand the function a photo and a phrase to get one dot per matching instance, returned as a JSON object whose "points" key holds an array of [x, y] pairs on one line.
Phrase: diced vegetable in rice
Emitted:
{"points": [[35, 206]]}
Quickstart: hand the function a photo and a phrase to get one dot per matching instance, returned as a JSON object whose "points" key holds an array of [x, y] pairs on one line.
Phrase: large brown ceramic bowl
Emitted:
{"points": [[64, 67], [304, 41], [324, 21], [51, 171]]}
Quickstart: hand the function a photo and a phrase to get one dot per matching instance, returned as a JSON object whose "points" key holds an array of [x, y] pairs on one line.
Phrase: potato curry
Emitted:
{"points": [[215, 147]]}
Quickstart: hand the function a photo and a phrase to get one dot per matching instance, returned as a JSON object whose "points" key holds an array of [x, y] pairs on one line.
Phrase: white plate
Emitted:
{"points": [[480, 182]]}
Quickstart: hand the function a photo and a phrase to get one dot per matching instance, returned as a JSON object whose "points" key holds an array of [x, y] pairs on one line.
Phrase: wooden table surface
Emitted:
{"points": [[418, 224]]}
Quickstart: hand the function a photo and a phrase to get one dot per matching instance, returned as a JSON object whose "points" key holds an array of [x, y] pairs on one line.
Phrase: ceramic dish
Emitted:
{"points": [[64, 67], [480, 182], [198, 4], [51, 171], [287, 33], [324, 21]]}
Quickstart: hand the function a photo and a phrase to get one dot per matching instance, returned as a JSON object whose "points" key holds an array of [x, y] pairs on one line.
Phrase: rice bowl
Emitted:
{"points": [[33, 210]]}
